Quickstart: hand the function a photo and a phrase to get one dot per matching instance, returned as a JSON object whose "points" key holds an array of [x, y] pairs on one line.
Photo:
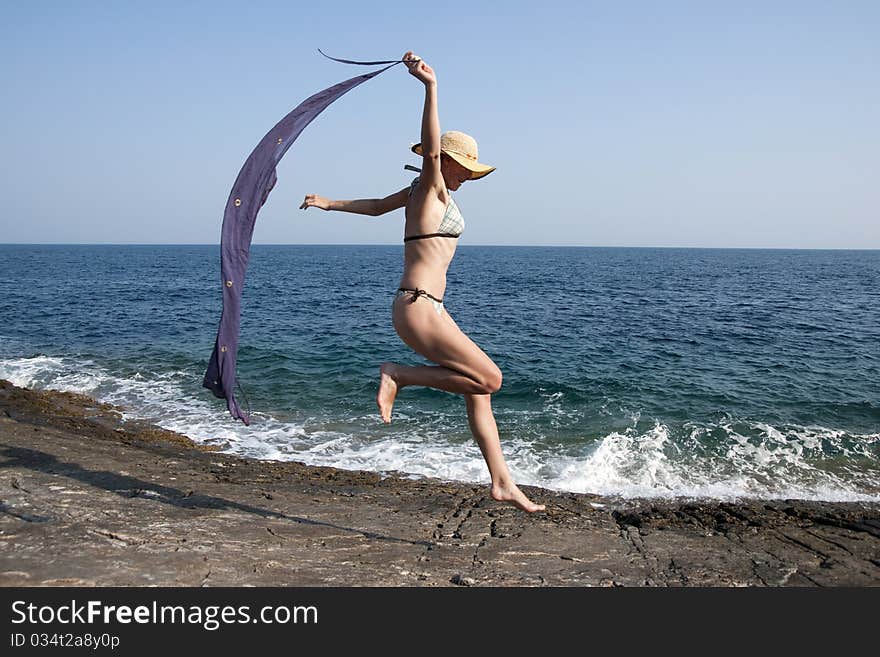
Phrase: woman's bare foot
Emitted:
{"points": [[387, 391], [511, 493]]}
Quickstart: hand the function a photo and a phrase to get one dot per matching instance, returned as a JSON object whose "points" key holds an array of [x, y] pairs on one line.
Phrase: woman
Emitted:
{"points": [[433, 224]]}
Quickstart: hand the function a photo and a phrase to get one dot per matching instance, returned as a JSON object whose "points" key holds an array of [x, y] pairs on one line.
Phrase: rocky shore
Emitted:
{"points": [[89, 499]]}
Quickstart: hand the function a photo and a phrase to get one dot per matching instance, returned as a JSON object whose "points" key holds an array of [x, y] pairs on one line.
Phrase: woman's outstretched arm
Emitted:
{"points": [[369, 206]]}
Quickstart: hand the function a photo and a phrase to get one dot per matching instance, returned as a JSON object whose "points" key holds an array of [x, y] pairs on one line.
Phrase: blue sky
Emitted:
{"points": [[701, 124]]}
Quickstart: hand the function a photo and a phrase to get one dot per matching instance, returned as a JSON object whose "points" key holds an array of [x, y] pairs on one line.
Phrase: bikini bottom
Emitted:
{"points": [[416, 293]]}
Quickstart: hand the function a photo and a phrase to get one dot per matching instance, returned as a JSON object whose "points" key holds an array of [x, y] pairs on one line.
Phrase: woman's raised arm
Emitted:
{"points": [[430, 121]]}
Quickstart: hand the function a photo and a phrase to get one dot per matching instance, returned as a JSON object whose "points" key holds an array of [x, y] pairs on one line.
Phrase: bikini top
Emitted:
{"points": [[452, 224]]}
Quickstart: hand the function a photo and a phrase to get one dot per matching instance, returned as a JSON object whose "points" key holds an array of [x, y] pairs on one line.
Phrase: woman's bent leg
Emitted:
{"points": [[462, 367], [441, 341], [393, 377], [485, 431], [435, 376]]}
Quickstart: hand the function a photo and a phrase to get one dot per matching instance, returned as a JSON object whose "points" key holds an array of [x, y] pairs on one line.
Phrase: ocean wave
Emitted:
{"points": [[727, 459]]}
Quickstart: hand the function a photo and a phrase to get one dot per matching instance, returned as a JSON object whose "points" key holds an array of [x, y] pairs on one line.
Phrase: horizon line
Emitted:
{"points": [[523, 246]]}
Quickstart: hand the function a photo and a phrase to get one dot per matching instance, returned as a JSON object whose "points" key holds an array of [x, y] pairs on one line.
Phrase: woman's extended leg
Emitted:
{"points": [[462, 368], [485, 431]]}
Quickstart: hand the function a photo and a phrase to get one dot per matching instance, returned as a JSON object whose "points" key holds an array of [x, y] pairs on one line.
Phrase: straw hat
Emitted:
{"points": [[463, 149]]}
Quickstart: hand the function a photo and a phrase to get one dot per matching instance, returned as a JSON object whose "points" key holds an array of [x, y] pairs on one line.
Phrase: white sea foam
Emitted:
{"points": [[757, 459], [775, 465]]}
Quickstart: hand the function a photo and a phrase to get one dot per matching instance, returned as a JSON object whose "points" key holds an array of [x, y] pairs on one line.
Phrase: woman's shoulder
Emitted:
{"points": [[443, 195]]}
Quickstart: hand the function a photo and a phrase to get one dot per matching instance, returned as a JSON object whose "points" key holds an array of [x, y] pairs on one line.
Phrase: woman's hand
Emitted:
{"points": [[418, 68], [313, 200]]}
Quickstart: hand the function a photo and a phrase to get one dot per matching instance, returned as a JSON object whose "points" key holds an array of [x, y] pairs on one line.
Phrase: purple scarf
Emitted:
{"points": [[250, 191]]}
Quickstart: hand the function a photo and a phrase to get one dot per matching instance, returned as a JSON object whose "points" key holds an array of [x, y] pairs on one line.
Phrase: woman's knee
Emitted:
{"points": [[492, 380]]}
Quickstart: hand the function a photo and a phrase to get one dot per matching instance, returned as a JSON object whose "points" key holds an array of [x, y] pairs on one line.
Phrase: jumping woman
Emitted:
{"points": [[433, 225]]}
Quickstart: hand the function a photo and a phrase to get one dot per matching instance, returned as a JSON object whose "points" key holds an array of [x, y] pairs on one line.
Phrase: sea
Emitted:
{"points": [[628, 372]]}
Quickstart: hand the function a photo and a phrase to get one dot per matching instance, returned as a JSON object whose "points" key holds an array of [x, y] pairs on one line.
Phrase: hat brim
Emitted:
{"points": [[477, 169]]}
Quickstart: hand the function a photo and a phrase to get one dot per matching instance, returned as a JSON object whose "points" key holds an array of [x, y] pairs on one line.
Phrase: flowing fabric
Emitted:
{"points": [[250, 191]]}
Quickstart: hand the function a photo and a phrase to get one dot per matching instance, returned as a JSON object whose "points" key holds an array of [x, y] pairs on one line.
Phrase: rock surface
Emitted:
{"points": [[88, 499]]}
